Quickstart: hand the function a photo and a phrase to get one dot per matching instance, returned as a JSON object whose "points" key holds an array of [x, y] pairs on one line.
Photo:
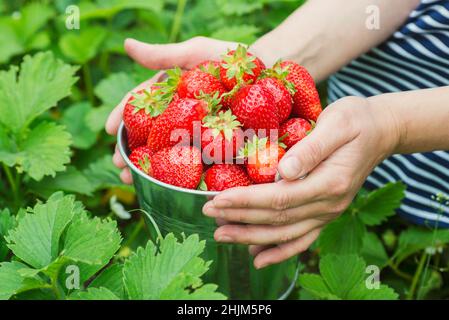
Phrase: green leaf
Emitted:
{"points": [[112, 89], [102, 173], [90, 240], [342, 236], [416, 239], [21, 31], [239, 33], [7, 222], [82, 46], [373, 250], [94, 294], [71, 181], [42, 82], [343, 277], [342, 273], [112, 279], [432, 280], [108, 8], [37, 236], [74, 118], [239, 7], [96, 118], [172, 272], [10, 279], [315, 285], [44, 151], [377, 206]]}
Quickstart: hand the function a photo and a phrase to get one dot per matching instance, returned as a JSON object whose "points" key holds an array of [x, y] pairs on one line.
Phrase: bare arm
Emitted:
{"points": [[325, 35], [422, 118]]}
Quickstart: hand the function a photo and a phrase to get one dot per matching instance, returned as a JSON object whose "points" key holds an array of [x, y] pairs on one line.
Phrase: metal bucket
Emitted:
{"points": [[179, 210]]}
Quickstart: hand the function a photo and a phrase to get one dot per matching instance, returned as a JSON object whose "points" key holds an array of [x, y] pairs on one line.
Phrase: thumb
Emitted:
{"points": [[185, 55], [312, 150]]}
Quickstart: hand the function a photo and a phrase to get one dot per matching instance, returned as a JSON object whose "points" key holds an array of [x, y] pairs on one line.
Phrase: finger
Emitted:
{"points": [[254, 250], [126, 176], [185, 54], [116, 115], [118, 160], [285, 251], [267, 216], [264, 234], [278, 196], [316, 147]]}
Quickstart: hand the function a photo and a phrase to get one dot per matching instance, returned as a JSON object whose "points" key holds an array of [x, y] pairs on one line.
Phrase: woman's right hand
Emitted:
{"points": [[185, 55]]}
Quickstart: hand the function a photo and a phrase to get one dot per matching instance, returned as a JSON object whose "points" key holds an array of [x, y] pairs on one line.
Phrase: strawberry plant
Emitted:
{"points": [[55, 238]]}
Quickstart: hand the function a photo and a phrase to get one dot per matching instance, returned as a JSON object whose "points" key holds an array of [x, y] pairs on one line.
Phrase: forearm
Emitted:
{"points": [[325, 35], [421, 118]]}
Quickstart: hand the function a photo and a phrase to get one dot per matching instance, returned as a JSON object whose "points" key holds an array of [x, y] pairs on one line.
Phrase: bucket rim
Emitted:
{"points": [[122, 149]]}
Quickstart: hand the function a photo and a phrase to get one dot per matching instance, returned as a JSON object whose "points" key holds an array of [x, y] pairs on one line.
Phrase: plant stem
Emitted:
{"points": [[14, 183], [176, 27], [417, 276], [139, 226], [88, 84], [398, 272]]}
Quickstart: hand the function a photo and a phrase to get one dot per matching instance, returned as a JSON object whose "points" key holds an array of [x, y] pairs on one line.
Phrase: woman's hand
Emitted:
{"points": [[282, 219], [185, 55]]}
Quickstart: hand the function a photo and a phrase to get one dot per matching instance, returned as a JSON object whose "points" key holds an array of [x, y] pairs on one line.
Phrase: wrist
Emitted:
{"points": [[390, 124]]}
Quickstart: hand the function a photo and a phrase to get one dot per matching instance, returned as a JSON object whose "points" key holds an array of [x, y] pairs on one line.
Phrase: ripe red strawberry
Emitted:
{"points": [[176, 123], [220, 177], [179, 166], [255, 108], [221, 138], [139, 114], [140, 157], [281, 95], [306, 100], [194, 83], [294, 130], [240, 66], [263, 157]]}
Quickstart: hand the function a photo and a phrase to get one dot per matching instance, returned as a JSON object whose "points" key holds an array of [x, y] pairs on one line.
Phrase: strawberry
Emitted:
{"points": [[140, 157], [282, 96], [192, 83], [294, 130], [221, 137], [224, 176], [306, 100], [262, 157], [176, 123], [255, 108], [179, 166], [139, 114], [240, 66]]}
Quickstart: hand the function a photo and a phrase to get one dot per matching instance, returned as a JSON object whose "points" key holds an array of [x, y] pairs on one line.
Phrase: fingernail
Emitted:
{"points": [[290, 168], [222, 203], [224, 238], [209, 210], [260, 265]]}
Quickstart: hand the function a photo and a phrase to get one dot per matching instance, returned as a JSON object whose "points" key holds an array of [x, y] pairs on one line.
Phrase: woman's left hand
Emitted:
{"points": [[282, 219]]}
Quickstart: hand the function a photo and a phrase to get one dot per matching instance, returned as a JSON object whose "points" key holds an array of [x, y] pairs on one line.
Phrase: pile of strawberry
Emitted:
{"points": [[211, 128]]}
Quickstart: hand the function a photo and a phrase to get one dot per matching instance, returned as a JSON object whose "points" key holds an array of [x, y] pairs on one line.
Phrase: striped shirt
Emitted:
{"points": [[414, 57]]}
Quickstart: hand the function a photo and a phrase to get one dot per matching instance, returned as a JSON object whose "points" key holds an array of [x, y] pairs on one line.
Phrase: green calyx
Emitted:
{"points": [[170, 85], [213, 101], [224, 122], [252, 146], [211, 69], [281, 73], [152, 101], [239, 64]]}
